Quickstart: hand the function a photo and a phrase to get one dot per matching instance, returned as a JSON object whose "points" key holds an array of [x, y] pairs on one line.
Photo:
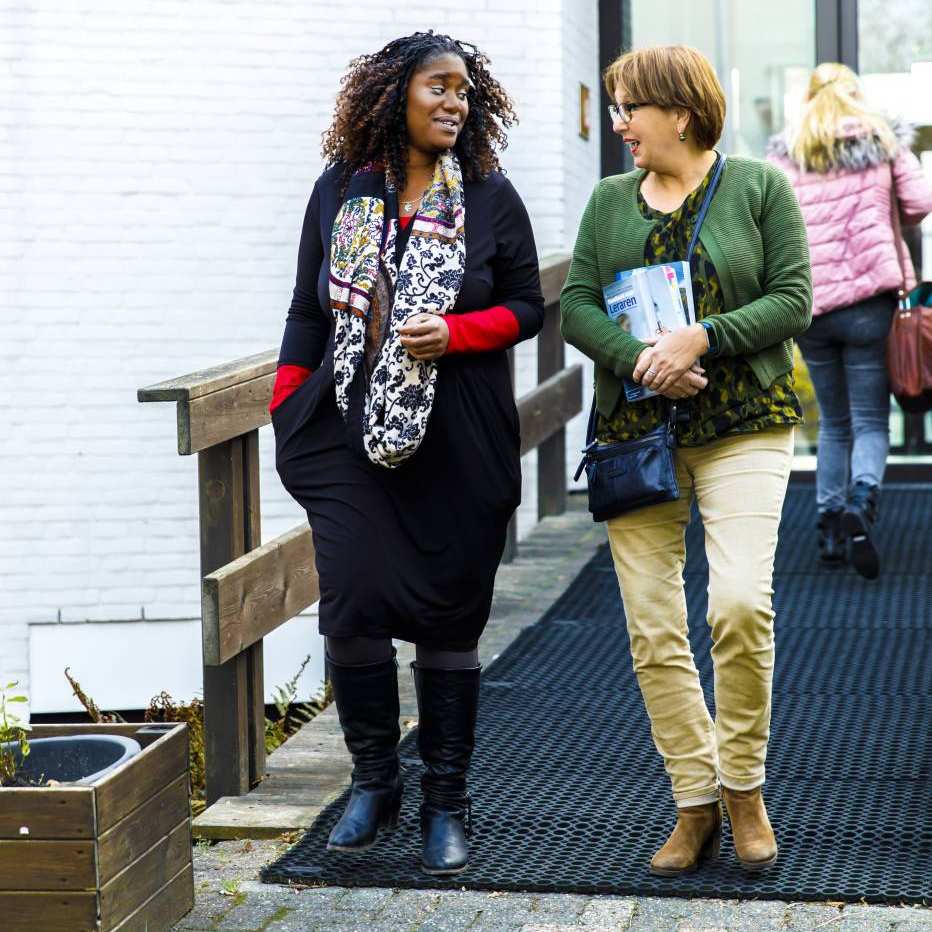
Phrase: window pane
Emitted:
{"points": [[763, 53]]}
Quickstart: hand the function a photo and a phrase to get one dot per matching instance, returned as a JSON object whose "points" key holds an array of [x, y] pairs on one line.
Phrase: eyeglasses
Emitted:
{"points": [[624, 112]]}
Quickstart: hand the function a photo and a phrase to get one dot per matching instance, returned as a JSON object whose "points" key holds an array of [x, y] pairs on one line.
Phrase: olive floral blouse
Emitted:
{"points": [[733, 401]]}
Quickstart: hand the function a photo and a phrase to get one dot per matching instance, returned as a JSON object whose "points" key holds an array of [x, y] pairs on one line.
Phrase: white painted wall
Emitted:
{"points": [[152, 656], [155, 163]]}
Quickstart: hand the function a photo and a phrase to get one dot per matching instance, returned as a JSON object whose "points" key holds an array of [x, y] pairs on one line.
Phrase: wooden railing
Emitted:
{"points": [[249, 590]]}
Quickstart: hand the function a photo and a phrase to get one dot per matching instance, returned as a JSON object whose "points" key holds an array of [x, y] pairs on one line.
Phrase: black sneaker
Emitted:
{"points": [[857, 521], [831, 538]]}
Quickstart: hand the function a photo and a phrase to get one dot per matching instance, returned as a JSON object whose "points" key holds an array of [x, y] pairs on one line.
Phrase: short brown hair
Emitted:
{"points": [[672, 76]]}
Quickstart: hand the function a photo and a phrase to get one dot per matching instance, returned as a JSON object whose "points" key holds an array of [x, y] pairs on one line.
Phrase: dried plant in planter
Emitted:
{"points": [[162, 708], [12, 731], [89, 705]]}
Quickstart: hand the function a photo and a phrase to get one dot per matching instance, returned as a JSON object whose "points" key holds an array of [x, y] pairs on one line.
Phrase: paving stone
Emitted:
{"points": [[707, 916], [278, 908], [452, 921], [306, 897], [509, 911], [340, 923], [655, 913], [607, 912], [806, 917], [258, 910], [365, 899], [896, 915], [328, 921], [305, 911], [464, 909], [912, 919], [734, 916], [877, 924], [408, 909], [560, 907], [209, 908], [758, 916], [536, 926]]}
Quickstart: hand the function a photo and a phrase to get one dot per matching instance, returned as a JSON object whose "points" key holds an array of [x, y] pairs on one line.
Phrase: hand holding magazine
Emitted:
{"points": [[649, 302]]}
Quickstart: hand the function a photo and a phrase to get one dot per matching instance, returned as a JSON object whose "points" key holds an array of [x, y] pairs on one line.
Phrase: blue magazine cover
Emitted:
{"points": [[647, 302]]}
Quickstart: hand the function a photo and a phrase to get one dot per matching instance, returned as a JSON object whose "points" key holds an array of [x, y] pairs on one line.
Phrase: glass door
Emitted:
{"points": [[895, 56]]}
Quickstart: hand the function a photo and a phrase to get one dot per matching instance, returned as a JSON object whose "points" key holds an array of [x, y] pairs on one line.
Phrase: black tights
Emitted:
{"points": [[358, 651]]}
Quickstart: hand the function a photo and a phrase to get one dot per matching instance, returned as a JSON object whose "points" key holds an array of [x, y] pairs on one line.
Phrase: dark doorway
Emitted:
{"points": [[614, 37], [836, 24]]}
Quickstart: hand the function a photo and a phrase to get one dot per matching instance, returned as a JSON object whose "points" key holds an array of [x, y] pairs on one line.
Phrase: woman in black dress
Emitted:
{"points": [[394, 416]]}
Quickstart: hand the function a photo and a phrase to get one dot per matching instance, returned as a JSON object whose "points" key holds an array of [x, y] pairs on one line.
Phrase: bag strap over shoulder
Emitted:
{"points": [[706, 201], [898, 242]]}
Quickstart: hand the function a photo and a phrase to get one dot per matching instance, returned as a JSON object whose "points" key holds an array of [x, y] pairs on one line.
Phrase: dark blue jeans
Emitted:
{"points": [[844, 350]]}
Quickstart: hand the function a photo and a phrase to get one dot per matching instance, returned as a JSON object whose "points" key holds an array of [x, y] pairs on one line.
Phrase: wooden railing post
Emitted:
{"points": [[255, 673], [551, 454], [234, 710]]}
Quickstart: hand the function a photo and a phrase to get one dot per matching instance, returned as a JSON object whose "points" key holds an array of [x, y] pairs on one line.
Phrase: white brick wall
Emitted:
{"points": [[155, 162]]}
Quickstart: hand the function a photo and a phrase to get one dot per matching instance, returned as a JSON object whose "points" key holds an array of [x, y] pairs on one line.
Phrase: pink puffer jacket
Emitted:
{"points": [[848, 218]]}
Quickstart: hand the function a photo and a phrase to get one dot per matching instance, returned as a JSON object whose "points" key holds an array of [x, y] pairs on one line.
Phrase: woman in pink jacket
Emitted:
{"points": [[843, 162]]}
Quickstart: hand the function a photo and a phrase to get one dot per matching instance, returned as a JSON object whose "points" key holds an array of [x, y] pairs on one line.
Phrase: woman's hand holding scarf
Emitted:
{"points": [[425, 336]]}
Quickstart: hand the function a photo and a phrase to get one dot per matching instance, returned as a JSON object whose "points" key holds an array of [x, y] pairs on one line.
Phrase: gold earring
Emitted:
{"points": [[682, 136]]}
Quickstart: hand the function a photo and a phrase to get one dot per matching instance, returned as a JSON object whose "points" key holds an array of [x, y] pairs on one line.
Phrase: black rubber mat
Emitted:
{"points": [[570, 794]]}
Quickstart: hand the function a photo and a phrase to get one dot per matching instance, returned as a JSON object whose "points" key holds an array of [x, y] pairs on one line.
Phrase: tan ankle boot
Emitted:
{"points": [[695, 840], [755, 844]]}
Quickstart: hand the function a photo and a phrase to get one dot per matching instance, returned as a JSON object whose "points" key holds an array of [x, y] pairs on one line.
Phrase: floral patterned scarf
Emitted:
{"points": [[364, 277]]}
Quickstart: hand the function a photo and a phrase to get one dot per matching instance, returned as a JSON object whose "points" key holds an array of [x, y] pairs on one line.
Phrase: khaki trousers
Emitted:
{"points": [[739, 483]]}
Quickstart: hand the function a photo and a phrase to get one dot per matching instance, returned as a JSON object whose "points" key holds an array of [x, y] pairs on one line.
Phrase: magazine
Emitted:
{"points": [[648, 302], [683, 280]]}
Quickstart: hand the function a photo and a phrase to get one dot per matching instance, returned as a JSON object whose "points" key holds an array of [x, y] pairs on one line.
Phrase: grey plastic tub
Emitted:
{"points": [[80, 759]]}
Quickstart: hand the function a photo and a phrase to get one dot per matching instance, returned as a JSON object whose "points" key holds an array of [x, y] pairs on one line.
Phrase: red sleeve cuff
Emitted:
{"points": [[287, 380], [495, 328]]}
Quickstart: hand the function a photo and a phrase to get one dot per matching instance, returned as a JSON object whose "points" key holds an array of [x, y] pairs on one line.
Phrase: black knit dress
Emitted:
{"points": [[411, 552]]}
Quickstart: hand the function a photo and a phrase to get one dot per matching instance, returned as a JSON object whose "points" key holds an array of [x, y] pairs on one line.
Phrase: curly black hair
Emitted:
{"points": [[369, 124]]}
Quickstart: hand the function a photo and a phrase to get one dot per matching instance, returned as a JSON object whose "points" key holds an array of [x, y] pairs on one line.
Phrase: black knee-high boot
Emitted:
{"points": [[448, 702], [367, 704]]}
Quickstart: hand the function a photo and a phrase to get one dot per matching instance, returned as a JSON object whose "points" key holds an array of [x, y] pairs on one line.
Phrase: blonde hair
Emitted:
{"points": [[672, 76], [834, 94]]}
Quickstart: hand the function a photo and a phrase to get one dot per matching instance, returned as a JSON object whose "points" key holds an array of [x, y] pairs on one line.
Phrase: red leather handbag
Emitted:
{"points": [[909, 344]]}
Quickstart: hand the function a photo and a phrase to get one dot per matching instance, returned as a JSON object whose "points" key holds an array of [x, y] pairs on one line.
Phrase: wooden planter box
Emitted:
{"points": [[114, 855]]}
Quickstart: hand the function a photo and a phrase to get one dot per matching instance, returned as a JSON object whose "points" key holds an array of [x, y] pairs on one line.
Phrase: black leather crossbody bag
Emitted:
{"points": [[631, 474], [635, 473]]}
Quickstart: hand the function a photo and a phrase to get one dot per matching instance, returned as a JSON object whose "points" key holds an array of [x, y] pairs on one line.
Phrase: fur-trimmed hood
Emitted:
{"points": [[856, 146]]}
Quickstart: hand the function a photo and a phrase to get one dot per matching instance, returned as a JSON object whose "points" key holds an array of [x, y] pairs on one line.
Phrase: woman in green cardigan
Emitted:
{"points": [[733, 371]]}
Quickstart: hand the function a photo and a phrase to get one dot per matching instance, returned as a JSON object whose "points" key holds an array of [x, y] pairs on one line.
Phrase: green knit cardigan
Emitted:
{"points": [[754, 235]]}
